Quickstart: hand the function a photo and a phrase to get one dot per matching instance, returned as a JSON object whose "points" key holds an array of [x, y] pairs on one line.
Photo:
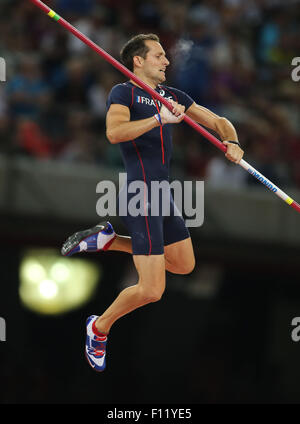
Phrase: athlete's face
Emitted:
{"points": [[154, 65]]}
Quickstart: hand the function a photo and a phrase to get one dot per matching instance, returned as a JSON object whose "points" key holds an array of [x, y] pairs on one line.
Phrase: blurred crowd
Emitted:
{"points": [[232, 56]]}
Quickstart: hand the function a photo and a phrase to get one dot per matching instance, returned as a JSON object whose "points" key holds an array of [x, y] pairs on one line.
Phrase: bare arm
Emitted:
{"points": [[119, 127], [222, 126], [205, 117]]}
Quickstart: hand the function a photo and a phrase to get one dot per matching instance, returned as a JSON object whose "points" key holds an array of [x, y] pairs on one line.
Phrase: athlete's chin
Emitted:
{"points": [[162, 78]]}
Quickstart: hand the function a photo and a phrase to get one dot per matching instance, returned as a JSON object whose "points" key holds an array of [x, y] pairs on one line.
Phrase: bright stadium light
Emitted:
{"points": [[51, 284]]}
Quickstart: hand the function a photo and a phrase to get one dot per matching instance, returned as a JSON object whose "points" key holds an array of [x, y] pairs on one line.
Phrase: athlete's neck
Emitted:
{"points": [[150, 83]]}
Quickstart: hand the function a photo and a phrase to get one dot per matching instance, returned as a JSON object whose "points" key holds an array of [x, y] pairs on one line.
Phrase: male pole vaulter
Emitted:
{"points": [[143, 128]]}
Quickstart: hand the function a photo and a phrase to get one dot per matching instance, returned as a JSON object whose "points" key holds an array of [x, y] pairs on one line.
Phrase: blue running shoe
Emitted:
{"points": [[94, 239], [95, 346]]}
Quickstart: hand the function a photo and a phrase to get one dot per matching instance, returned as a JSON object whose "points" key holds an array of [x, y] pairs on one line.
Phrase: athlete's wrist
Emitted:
{"points": [[233, 142], [158, 119]]}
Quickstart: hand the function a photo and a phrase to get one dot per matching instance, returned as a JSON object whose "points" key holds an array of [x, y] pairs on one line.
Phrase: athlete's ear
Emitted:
{"points": [[138, 61]]}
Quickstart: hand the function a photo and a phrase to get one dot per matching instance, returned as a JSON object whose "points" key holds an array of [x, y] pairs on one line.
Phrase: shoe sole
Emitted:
{"points": [[73, 241]]}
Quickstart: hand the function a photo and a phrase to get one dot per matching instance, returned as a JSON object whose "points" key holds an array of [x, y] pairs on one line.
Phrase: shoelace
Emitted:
{"points": [[99, 350]]}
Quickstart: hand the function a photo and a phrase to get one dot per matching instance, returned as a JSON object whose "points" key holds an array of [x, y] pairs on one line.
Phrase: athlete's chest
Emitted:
{"points": [[143, 105]]}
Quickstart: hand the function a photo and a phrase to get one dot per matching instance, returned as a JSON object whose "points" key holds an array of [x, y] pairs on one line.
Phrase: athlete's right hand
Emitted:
{"points": [[173, 117]]}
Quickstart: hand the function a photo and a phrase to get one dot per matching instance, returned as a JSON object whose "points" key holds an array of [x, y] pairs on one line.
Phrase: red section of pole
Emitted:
{"points": [[296, 206], [130, 75]]}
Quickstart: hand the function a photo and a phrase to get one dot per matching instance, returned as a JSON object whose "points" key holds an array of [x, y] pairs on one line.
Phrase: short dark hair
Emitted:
{"points": [[136, 47]]}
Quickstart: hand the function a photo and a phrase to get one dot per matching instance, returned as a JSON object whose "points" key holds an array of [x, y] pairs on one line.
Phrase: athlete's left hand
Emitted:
{"points": [[234, 153], [173, 117], [178, 110]]}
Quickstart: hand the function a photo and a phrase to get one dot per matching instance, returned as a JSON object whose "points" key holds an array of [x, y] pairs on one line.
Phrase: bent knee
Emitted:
{"points": [[154, 297], [151, 295], [186, 268]]}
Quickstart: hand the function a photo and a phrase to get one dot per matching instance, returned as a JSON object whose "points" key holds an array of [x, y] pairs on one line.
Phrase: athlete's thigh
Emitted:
{"points": [[145, 230], [181, 253], [174, 228], [151, 271]]}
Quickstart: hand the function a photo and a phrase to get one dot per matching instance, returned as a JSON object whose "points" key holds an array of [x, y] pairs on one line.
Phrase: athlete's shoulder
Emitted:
{"points": [[120, 94], [171, 89], [179, 95], [121, 88]]}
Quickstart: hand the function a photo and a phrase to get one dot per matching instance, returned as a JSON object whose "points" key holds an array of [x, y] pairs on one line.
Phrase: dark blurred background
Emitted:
{"points": [[222, 334]]}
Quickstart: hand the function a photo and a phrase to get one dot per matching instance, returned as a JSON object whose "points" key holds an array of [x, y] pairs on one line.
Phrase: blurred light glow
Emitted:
{"points": [[51, 284], [60, 272], [48, 289], [33, 271]]}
